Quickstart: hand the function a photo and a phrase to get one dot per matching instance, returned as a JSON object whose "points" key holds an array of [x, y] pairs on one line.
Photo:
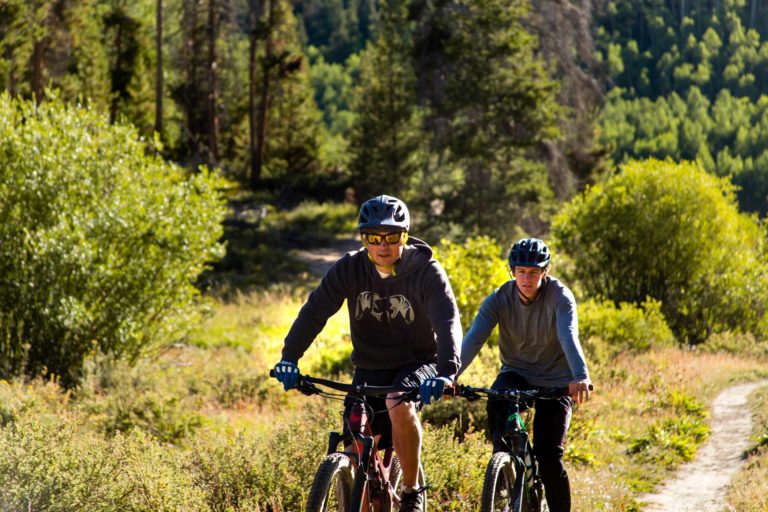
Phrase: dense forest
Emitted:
{"points": [[688, 81], [511, 105], [486, 116]]}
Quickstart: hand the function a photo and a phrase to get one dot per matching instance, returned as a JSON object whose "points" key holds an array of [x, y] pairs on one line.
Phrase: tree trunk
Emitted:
{"points": [[159, 69], [755, 5], [682, 11], [118, 64], [265, 84], [11, 71], [213, 85], [254, 36], [37, 70]]}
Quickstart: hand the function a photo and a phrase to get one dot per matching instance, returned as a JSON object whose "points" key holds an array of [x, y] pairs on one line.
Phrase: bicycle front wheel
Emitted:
{"points": [[498, 484], [332, 488]]}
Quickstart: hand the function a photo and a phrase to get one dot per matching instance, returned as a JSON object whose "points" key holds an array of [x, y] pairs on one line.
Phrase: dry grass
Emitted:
{"points": [[258, 323], [249, 429], [633, 394], [749, 488]]}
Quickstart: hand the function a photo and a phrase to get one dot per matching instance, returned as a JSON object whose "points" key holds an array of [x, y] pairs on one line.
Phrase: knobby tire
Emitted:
{"points": [[332, 487], [499, 487], [498, 484]]}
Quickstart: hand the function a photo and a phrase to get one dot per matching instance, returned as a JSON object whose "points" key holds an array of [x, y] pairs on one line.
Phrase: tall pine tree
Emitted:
{"points": [[386, 136], [491, 105]]}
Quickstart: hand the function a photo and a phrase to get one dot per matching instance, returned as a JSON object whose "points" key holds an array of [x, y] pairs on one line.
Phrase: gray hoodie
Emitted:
{"points": [[407, 318]]}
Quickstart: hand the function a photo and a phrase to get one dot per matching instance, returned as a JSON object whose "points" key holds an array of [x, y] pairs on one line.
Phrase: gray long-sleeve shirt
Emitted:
{"points": [[539, 341]]}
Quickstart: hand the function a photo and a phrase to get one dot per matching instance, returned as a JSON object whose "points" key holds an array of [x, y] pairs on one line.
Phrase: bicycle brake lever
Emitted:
{"points": [[307, 388], [469, 396], [473, 397]]}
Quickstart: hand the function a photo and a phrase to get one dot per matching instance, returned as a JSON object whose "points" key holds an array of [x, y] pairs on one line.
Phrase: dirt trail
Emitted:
{"points": [[320, 259], [700, 485]]}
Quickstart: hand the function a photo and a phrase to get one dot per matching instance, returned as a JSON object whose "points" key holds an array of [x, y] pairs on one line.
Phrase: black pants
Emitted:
{"points": [[550, 427]]}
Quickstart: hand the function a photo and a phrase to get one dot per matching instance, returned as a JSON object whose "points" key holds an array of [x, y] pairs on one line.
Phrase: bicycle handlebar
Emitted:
{"points": [[473, 393], [306, 385]]}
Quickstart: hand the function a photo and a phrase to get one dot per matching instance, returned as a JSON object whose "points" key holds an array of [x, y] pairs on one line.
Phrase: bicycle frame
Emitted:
{"points": [[372, 489], [372, 468], [517, 441], [527, 489]]}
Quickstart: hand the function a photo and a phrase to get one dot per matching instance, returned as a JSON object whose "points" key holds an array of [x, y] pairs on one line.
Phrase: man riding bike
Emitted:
{"points": [[404, 325], [538, 347]]}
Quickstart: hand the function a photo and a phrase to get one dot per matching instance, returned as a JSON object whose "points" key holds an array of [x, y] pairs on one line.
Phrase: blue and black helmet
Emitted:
{"points": [[529, 252], [384, 211]]}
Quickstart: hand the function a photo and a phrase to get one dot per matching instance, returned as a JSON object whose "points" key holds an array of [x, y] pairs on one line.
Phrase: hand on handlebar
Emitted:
{"points": [[579, 390], [432, 389], [287, 373]]}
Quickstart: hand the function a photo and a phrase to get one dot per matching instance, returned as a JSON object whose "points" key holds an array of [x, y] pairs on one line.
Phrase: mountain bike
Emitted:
{"points": [[360, 477], [512, 481]]}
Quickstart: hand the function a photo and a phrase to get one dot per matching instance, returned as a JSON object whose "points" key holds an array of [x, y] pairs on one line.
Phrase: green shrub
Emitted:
{"points": [[100, 241], [736, 343], [311, 223], [606, 329], [673, 440], [150, 397], [475, 268], [454, 469], [53, 463], [229, 471], [674, 233], [271, 471], [39, 397]]}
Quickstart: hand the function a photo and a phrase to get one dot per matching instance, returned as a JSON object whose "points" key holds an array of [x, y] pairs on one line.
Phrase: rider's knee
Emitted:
{"points": [[401, 411]]}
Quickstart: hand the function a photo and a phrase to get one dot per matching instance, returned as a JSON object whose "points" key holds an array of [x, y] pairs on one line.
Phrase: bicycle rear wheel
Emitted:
{"points": [[498, 484], [332, 488]]}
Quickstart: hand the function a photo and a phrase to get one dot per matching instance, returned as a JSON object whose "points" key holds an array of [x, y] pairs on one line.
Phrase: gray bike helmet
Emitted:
{"points": [[384, 212], [529, 252]]}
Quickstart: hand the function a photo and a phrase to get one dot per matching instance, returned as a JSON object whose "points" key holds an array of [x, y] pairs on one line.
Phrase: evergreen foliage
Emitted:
{"points": [[293, 122], [690, 83], [673, 233], [337, 28], [333, 84], [100, 241], [493, 103], [666, 47], [386, 137], [53, 44]]}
